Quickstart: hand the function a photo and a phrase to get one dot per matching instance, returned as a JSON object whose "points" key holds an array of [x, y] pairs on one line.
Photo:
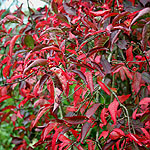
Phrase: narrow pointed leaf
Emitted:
{"points": [[89, 78], [145, 100], [2, 98], [106, 65], [12, 44], [81, 75], [84, 130], [103, 86], [118, 17], [113, 110], [146, 77], [75, 119], [144, 12], [37, 62], [145, 35], [40, 115], [92, 110]]}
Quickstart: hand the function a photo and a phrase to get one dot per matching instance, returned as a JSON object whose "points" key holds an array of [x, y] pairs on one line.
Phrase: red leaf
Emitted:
{"points": [[128, 73], [6, 71], [40, 115], [132, 137], [84, 130], [100, 12], [12, 44], [36, 62], [136, 82], [63, 78], [89, 78], [145, 100], [129, 55], [123, 98], [103, 86], [146, 133], [113, 110], [119, 131], [103, 112], [55, 137], [114, 135], [92, 110], [2, 98], [78, 92], [40, 102], [104, 134], [75, 119], [48, 129]]}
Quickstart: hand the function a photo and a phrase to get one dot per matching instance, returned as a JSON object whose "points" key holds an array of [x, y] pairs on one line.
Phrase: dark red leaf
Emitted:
{"points": [[97, 66], [146, 77], [43, 79], [143, 12], [118, 17], [70, 10], [75, 119], [81, 75], [136, 82], [92, 110], [52, 30], [106, 65], [84, 130], [145, 35], [95, 50], [109, 144], [62, 18]]}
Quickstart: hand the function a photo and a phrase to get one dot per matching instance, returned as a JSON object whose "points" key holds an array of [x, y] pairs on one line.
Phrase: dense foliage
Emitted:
{"points": [[76, 76]]}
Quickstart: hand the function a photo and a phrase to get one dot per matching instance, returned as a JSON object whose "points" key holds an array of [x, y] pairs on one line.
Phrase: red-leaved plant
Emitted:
{"points": [[77, 75]]}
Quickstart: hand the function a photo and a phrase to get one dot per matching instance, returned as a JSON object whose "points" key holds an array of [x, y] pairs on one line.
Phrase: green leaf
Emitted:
{"points": [[29, 42]]}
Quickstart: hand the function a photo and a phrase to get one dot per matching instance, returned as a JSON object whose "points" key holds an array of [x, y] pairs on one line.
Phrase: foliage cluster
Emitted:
{"points": [[76, 76]]}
